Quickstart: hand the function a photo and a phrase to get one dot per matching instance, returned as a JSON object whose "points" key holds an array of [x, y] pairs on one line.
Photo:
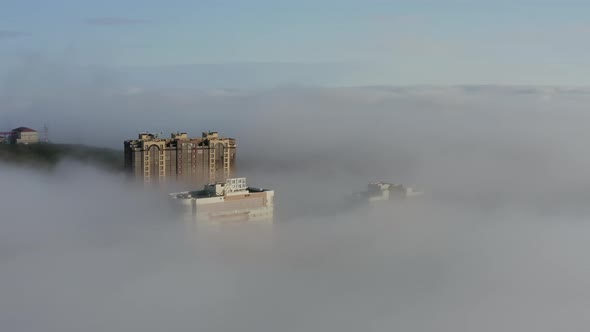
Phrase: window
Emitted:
{"points": [[161, 162], [147, 168], [147, 163], [147, 174], [161, 157], [161, 168], [147, 158]]}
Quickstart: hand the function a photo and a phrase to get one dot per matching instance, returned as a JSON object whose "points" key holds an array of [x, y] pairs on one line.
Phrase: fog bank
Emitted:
{"points": [[84, 251], [497, 243]]}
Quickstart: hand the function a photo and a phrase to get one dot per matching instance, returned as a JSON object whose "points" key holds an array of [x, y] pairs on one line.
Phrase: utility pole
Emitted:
{"points": [[46, 133]]}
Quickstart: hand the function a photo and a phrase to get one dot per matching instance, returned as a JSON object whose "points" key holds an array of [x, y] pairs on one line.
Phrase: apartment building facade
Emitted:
{"points": [[195, 161]]}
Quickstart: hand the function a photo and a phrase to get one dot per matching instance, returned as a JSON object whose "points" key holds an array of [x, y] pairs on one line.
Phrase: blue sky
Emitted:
{"points": [[375, 42]]}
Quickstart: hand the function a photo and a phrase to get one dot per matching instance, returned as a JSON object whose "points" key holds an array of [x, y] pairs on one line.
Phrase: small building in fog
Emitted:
{"points": [[383, 191], [23, 135]]}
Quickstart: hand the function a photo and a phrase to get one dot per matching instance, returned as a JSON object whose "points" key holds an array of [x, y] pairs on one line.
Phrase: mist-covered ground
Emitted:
{"points": [[498, 243]]}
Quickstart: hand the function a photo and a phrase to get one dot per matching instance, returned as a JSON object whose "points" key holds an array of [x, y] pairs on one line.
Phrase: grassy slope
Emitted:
{"points": [[48, 155]]}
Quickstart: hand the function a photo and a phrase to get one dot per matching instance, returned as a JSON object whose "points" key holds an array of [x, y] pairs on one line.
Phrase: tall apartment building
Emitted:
{"points": [[195, 161]]}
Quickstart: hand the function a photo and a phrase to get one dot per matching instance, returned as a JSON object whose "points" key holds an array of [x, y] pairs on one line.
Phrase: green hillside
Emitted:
{"points": [[49, 155]]}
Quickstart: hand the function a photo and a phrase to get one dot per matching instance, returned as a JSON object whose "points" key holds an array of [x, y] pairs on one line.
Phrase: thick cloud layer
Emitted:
{"points": [[83, 251], [498, 242]]}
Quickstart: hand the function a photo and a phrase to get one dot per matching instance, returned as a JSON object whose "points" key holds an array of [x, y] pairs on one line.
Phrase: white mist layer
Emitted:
{"points": [[498, 242], [82, 251]]}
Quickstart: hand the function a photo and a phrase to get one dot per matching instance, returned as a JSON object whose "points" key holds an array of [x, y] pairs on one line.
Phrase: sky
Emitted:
{"points": [[336, 42]]}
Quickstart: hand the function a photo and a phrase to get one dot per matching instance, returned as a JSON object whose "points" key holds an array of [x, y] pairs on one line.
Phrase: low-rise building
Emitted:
{"points": [[230, 201], [20, 135], [24, 135], [383, 191]]}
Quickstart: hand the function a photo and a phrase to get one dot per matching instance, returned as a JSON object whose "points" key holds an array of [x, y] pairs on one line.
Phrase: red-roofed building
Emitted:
{"points": [[24, 130], [24, 135]]}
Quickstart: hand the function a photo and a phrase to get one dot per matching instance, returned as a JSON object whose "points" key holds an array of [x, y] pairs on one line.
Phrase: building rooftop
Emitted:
{"points": [[24, 130], [179, 137], [233, 186]]}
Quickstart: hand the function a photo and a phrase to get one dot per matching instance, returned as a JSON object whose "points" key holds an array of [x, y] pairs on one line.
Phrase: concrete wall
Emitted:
{"points": [[244, 207], [27, 138], [250, 206]]}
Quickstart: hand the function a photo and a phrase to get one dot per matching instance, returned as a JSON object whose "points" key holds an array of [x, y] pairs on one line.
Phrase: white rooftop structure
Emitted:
{"points": [[232, 200]]}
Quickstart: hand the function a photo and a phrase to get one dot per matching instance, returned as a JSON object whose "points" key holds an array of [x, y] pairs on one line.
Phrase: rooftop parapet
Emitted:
{"points": [[231, 187], [147, 136], [211, 134], [176, 136], [179, 135]]}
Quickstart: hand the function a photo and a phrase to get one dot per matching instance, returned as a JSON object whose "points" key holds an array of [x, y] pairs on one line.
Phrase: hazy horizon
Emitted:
{"points": [[496, 243]]}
